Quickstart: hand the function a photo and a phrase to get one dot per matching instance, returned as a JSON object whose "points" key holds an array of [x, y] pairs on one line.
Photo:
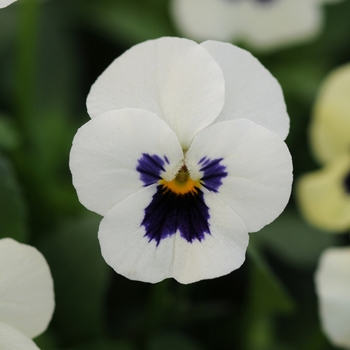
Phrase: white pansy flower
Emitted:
{"points": [[262, 24], [26, 295], [4, 3], [333, 290], [183, 156]]}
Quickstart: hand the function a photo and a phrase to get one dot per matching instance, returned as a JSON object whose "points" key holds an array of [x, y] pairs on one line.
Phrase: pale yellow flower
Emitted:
{"points": [[324, 195]]}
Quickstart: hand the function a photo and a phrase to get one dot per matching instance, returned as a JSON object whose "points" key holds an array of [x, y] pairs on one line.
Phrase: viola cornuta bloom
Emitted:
{"points": [[4, 3], [333, 289], [26, 295], [324, 195], [184, 155], [262, 24]]}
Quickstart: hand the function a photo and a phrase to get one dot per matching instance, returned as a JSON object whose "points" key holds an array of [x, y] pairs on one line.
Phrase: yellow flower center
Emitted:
{"points": [[182, 183]]}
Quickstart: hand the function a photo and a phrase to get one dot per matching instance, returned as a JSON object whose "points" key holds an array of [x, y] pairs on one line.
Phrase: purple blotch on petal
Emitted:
{"points": [[213, 173], [150, 167], [169, 212]]}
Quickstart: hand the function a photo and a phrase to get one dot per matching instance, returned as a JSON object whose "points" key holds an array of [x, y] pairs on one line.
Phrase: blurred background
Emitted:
{"points": [[50, 54]]}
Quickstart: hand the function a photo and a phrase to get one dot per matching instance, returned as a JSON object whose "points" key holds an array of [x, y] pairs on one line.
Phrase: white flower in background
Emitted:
{"points": [[333, 290], [4, 3], [262, 24], [183, 157], [26, 295]]}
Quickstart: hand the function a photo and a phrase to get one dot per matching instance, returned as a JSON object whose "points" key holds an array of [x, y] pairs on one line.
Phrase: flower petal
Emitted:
{"points": [[4, 3], [174, 78], [26, 288], [323, 198], [105, 153], [208, 19], [251, 90], [333, 289], [13, 339], [129, 251], [258, 165], [330, 128], [281, 23]]}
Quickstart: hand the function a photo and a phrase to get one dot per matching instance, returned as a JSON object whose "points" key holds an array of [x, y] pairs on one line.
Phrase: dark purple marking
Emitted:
{"points": [[169, 212], [346, 183], [214, 172], [150, 167]]}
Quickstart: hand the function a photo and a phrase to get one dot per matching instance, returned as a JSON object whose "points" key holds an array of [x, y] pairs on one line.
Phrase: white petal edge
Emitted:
{"points": [[4, 3], [26, 288], [174, 78], [105, 154], [259, 166], [332, 280], [251, 90], [126, 249], [13, 339]]}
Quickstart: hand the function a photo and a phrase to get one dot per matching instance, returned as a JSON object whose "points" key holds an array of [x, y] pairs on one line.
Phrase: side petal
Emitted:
{"points": [[13, 339], [258, 164], [130, 252], [107, 150], [251, 90], [323, 196], [208, 19], [174, 78], [26, 288], [332, 281], [330, 127]]}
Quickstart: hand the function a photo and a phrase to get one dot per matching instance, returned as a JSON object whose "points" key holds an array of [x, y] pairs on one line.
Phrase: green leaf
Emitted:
{"points": [[12, 208], [266, 299], [266, 293], [80, 275], [290, 238]]}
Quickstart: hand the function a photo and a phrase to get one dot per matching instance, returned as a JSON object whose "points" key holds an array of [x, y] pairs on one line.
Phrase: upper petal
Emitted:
{"points": [[258, 166], [330, 127], [251, 90], [13, 339], [333, 289], [323, 197], [128, 249], [107, 151], [174, 78], [26, 288]]}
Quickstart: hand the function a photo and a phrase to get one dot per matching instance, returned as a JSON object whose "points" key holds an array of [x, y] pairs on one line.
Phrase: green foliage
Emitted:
{"points": [[80, 275], [291, 239], [12, 206], [50, 54]]}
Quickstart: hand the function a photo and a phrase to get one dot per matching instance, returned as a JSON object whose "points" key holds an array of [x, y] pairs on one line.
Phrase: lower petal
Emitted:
{"points": [[323, 198], [130, 251]]}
